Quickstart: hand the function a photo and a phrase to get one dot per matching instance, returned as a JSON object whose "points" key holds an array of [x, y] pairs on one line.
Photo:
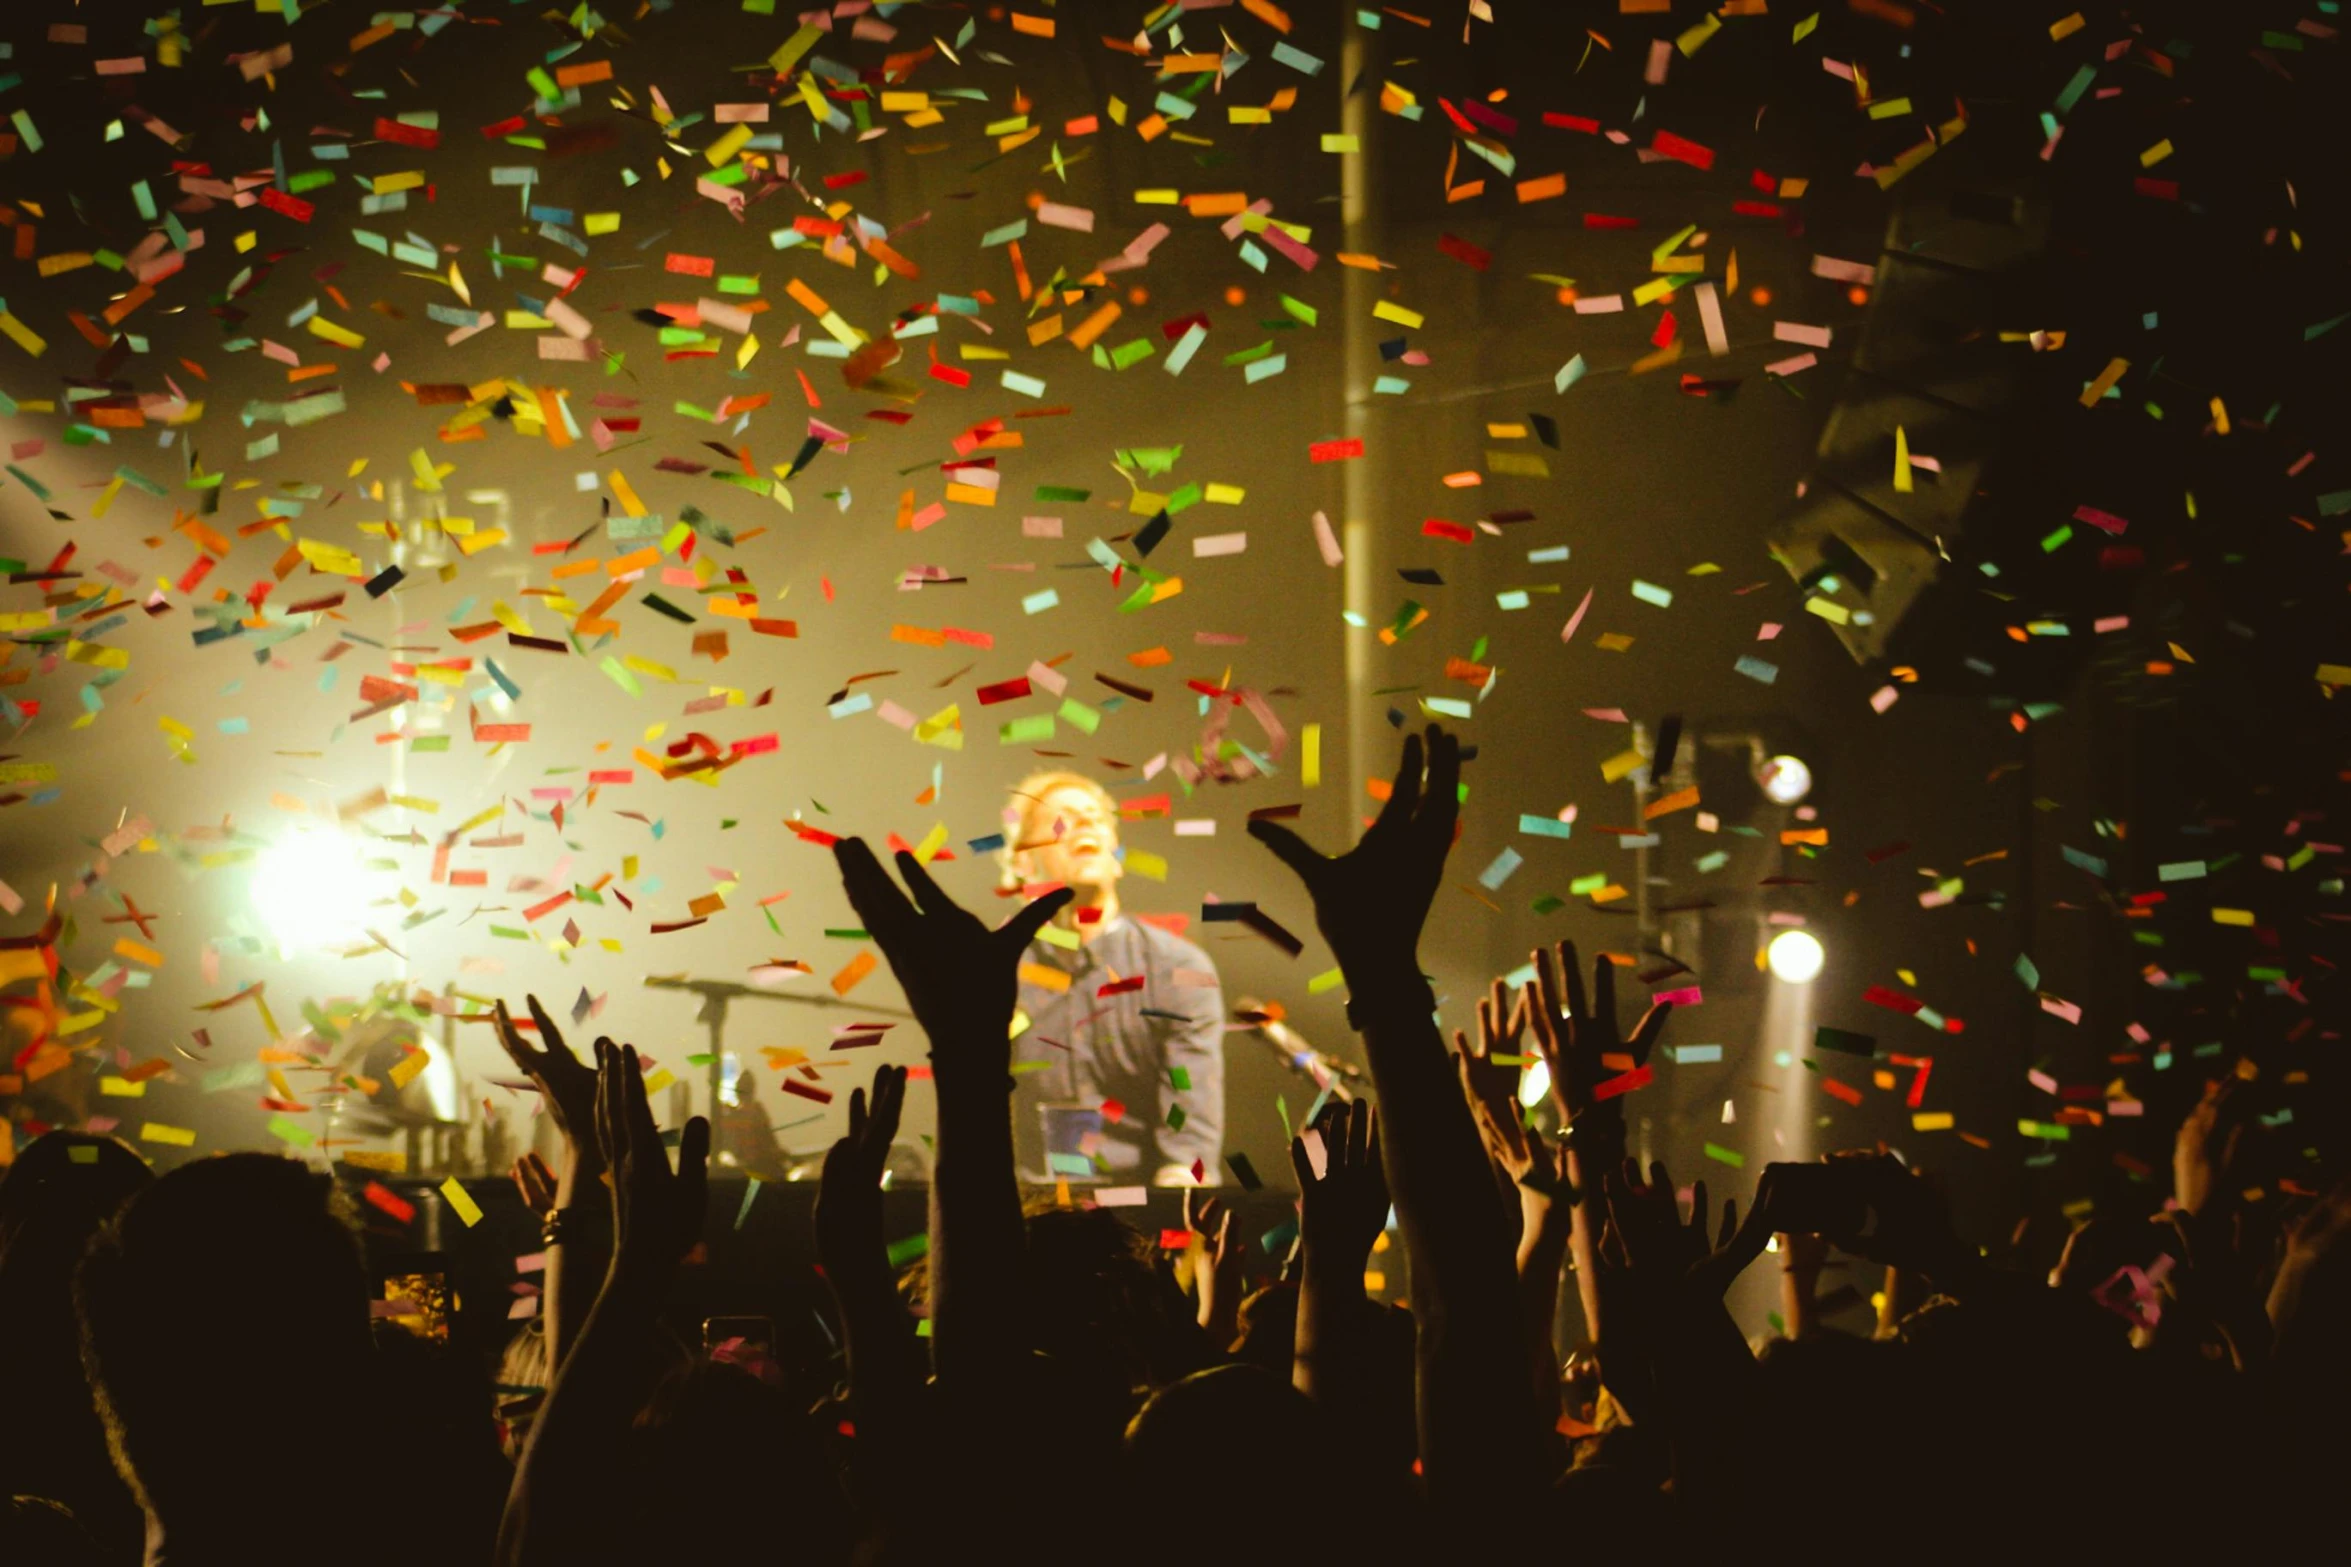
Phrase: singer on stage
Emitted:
{"points": [[1120, 1071]]}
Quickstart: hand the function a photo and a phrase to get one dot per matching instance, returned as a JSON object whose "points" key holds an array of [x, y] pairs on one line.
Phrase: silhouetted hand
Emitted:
{"points": [[657, 1213], [960, 977], [566, 1085], [1342, 1211], [2206, 1145], [1216, 1275], [1371, 901], [1502, 1023], [1575, 1034], [536, 1183], [1911, 1220], [849, 1201], [1533, 1162], [1670, 1257], [2322, 1227]]}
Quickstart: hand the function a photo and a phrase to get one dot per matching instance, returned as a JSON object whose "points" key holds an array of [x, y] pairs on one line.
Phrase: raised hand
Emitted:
{"points": [[536, 1184], [2206, 1145], [1216, 1275], [1502, 1024], [959, 976], [657, 1212], [849, 1201], [566, 1085], [1576, 1033], [1669, 1255], [1910, 1218], [1342, 1211], [1371, 901], [1534, 1163]]}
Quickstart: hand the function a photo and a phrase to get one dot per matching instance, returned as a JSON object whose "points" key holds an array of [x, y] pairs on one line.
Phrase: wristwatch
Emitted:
{"points": [[1405, 997]]}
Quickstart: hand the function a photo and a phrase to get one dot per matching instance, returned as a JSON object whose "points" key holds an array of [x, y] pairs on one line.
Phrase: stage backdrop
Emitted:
{"points": [[492, 490]]}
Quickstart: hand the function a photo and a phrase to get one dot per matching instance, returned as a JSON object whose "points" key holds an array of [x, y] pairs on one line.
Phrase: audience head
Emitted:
{"points": [[225, 1301]]}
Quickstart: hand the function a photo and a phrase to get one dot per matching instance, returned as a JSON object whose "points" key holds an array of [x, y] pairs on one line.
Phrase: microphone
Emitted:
{"points": [[1324, 1071]]}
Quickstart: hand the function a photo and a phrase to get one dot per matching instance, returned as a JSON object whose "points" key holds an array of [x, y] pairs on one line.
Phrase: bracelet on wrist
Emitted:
{"points": [[578, 1216]]}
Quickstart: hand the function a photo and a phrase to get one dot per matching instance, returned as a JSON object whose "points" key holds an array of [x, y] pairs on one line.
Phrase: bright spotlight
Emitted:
{"points": [[1534, 1082], [1785, 779], [1795, 956], [312, 891]]}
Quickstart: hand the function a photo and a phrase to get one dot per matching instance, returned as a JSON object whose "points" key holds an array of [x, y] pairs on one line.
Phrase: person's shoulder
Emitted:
{"points": [[1170, 949]]}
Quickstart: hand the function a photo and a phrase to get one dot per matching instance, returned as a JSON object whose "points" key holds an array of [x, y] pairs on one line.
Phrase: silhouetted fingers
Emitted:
{"points": [[1646, 1031], [1572, 976], [1295, 852], [1022, 928], [1403, 790], [1441, 805], [608, 1105], [550, 1037], [1604, 993], [1302, 1164], [693, 1188], [927, 895], [508, 1039], [880, 906], [889, 1098]]}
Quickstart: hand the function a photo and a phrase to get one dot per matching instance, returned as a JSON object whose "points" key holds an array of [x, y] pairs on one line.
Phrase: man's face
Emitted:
{"points": [[1085, 853]]}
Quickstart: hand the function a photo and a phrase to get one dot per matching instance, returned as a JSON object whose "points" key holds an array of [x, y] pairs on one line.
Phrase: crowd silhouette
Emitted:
{"points": [[192, 1375]]}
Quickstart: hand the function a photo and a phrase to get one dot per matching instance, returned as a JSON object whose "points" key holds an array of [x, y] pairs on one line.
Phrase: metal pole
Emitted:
{"points": [[1362, 492]]}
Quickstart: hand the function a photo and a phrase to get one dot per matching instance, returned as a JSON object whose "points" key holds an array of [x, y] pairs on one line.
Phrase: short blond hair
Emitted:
{"points": [[1020, 809]]}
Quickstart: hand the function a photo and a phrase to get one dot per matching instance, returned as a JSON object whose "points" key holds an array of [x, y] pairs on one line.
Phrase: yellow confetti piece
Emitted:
{"points": [[1931, 1121], [932, 842], [23, 336], [175, 1136], [626, 495], [461, 1201], [1310, 756], [1389, 310]]}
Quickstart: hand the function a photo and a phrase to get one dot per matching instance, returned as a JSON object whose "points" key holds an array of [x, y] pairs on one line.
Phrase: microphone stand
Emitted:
{"points": [[720, 994]]}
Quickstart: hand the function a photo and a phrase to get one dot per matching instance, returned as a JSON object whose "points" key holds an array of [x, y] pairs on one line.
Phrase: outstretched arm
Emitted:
{"points": [[1481, 1441], [578, 1231], [565, 1505], [885, 1359], [1537, 1171], [1592, 1065], [959, 977], [1342, 1207]]}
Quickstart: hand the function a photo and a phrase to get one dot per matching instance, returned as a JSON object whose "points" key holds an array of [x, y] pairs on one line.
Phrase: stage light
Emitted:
{"points": [[1785, 780], [312, 891], [1534, 1083], [1795, 956]]}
